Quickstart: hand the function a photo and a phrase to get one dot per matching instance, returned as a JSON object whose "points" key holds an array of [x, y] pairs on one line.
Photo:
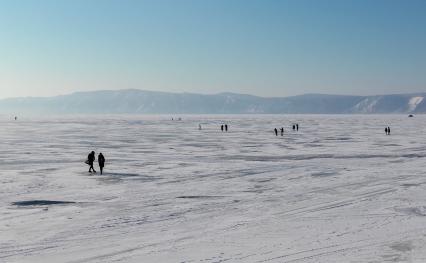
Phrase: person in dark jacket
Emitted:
{"points": [[282, 131], [276, 132], [90, 161], [101, 161]]}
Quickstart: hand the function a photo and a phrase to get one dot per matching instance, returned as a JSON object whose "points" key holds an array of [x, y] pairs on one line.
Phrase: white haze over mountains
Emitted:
{"points": [[149, 102], [339, 190]]}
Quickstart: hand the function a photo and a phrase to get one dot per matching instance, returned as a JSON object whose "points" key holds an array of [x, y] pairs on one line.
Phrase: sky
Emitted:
{"points": [[267, 48]]}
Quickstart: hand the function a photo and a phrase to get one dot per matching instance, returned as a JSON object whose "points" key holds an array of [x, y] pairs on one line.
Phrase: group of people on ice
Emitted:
{"points": [[295, 128], [224, 127], [91, 160]]}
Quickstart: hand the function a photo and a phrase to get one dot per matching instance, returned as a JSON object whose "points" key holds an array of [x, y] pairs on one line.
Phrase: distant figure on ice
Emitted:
{"points": [[16, 118], [297, 127], [387, 130], [226, 127], [282, 131], [199, 127], [90, 161], [276, 132], [101, 161], [294, 127], [221, 127]]}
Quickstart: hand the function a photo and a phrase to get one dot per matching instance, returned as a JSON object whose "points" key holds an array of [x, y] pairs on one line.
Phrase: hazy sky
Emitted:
{"points": [[269, 48]]}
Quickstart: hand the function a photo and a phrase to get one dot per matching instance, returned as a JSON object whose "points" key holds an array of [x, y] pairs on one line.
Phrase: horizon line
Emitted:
{"points": [[207, 94]]}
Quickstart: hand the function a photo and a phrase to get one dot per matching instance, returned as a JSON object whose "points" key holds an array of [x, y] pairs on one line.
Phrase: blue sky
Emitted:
{"points": [[267, 48]]}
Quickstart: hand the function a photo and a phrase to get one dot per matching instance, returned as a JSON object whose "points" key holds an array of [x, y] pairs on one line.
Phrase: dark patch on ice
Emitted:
{"points": [[199, 196], [158, 204], [122, 174], [393, 258], [390, 145], [256, 191], [41, 202], [263, 180], [410, 185], [195, 145], [402, 246], [119, 176], [338, 139], [323, 174], [396, 161], [185, 164], [135, 122], [236, 174], [418, 211], [303, 157], [313, 145], [42, 171]]}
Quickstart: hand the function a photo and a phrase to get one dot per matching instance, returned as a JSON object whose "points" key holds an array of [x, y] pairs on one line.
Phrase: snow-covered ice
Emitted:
{"points": [[339, 190]]}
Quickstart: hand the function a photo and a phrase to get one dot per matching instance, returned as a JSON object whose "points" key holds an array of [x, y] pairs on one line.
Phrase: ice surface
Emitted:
{"points": [[339, 190]]}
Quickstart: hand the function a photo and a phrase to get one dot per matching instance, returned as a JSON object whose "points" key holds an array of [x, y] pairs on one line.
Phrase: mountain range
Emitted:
{"points": [[151, 102]]}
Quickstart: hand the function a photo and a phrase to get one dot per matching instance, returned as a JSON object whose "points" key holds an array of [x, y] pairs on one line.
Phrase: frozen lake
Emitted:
{"points": [[339, 190]]}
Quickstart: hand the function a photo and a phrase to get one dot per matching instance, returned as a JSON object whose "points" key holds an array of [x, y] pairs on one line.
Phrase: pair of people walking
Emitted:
{"points": [[276, 131], [387, 130], [91, 160], [222, 127]]}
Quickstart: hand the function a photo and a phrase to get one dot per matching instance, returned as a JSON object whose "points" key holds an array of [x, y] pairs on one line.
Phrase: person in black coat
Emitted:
{"points": [[101, 161], [90, 161]]}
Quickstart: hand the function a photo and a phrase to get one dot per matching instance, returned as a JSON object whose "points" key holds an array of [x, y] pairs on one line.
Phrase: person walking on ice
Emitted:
{"points": [[101, 161], [276, 132], [90, 161]]}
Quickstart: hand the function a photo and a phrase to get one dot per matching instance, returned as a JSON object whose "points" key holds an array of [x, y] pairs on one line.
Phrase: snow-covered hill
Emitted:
{"points": [[150, 102]]}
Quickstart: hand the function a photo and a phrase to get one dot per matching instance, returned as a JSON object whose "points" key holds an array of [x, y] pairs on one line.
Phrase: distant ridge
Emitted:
{"points": [[152, 102]]}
